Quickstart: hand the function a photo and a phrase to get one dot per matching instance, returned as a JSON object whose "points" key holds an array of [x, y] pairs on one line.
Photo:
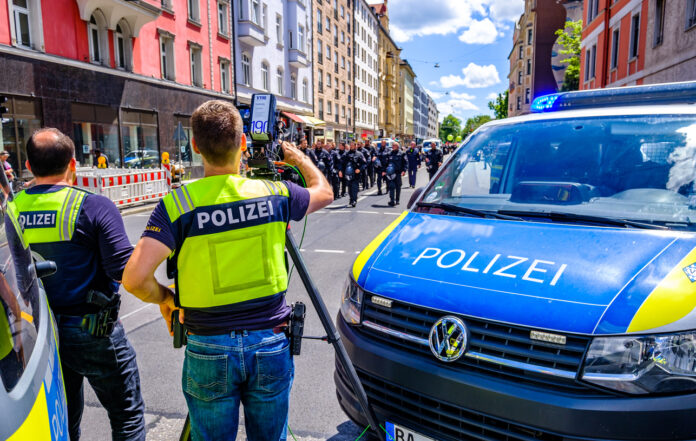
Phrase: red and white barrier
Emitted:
{"points": [[125, 186]]}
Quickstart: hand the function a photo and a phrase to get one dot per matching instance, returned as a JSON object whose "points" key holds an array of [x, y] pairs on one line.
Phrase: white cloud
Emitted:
{"points": [[480, 32], [461, 96], [414, 18], [433, 95], [456, 108], [491, 96], [475, 77], [433, 83]]}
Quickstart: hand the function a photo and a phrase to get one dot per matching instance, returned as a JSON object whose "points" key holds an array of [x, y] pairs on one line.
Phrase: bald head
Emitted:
{"points": [[49, 152]]}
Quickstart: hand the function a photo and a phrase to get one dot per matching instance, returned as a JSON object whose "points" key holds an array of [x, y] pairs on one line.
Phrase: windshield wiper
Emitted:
{"points": [[561, 216], [470, 211]]}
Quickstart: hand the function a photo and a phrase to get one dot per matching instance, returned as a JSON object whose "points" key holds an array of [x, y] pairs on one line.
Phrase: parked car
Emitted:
{"points": [[542, 286]]}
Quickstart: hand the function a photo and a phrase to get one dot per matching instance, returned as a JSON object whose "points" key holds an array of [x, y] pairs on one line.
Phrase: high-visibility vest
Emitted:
{"points": [[232, 233], [49, 217]]}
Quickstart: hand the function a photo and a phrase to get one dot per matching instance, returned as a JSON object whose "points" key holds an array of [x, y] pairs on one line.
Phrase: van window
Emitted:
{"points": [[19, 300]]}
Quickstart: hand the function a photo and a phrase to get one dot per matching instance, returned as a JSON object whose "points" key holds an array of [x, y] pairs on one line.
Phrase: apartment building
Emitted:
{"points": [[433, 119], [389, 62], [420, 111], [405, 100], [366, 72], [531, 73], [274, 55], [332, 68], [117, 76]]}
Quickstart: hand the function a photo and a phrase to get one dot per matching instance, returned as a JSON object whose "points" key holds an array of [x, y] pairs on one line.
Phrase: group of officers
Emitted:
{"points": [[351, 165]]}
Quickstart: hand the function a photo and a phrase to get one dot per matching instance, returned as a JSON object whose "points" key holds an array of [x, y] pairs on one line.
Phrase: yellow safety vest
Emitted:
{"points": [[231, 240], [48, 217]]}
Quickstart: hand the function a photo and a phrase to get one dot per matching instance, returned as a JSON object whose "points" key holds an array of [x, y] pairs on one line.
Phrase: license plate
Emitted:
{"points": [[400, 433]]}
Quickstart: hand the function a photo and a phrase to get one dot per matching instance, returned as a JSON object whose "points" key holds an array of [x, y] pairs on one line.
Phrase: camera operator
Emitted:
{"points": [[226, 238], [353, 165], [395, 167], [84, 234]]}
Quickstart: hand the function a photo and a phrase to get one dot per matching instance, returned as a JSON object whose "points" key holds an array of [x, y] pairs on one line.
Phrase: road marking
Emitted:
{"points": [[136, 311], [357, 252], [330, 251], [366, 212], [393, 214]]}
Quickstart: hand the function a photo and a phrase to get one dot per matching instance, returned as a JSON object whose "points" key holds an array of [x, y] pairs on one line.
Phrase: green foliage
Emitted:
{"points": [[569, 39], [474, 123], [500, 105], [450, 126]]}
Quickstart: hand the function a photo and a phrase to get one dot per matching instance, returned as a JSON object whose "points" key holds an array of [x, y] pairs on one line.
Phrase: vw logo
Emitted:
{"points": [[448, 338]]}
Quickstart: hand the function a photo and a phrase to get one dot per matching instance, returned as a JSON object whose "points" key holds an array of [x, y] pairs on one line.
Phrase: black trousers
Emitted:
{"points": [[363, 177], [353, 189], [344, 185], [371, 174], [431, 172], [335, 185], [412, 176], [394, 187], [380, 178]]}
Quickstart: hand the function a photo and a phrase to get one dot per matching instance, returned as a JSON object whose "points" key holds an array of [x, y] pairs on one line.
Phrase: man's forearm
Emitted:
{"points": [[150, 291]]}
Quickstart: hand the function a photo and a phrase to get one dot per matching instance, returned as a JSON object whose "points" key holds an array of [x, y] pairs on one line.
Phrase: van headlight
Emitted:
{"points": [[351, 300], [663, 363]]}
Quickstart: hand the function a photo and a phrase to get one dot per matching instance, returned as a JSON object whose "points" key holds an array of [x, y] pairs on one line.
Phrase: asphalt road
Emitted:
{"points": [[333, 238]]}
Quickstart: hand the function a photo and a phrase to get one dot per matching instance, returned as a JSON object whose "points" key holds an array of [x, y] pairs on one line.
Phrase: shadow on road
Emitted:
{"points": [[347, 431]]}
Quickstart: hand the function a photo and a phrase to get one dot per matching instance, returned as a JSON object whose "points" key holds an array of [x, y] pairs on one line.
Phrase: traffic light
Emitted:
{"points": [[3, 108]]}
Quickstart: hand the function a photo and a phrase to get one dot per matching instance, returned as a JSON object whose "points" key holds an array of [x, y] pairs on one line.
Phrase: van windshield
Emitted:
{"points": [[637, 168]]}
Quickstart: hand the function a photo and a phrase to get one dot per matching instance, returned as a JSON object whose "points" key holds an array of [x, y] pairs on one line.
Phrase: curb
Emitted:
{"points": [[139, 209]]}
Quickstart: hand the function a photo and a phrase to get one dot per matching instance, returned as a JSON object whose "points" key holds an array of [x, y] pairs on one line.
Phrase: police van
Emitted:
{"points": [[32, 396], [430, 143], [542, 286]]}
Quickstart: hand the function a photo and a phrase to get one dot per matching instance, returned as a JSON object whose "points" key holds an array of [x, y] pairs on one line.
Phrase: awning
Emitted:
{"points": [[294, 117], [313, 122]]}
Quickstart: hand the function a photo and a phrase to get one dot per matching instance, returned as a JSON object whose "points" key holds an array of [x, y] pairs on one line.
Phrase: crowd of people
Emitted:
{"points": [[355, 165]]}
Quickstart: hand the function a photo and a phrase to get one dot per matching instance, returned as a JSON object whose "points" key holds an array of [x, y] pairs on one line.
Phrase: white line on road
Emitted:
{"points": [[393, 214], [136, 311], [330, 251], [366, 212]]}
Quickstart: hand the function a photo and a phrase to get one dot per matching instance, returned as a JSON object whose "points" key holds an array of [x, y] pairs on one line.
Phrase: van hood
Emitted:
{"points": [[552, 276]]}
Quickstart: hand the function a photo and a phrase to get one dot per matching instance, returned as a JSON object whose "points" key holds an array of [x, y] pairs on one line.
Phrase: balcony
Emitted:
{"points": [[136, 12], [251, 33], [297, 58]]}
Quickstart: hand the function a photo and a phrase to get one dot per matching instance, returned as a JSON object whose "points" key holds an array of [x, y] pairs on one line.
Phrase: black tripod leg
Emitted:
{"points": [[186, 431], [331, 331]]}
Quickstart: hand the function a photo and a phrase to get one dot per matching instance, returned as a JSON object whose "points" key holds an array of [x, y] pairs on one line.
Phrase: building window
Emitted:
{"points": [[98, 45], [519, 77], [193, 12], [222, 18], [519, 103], [520, 52], [343, 37], [265, 80], [527, 95], [635, 35], [320, 56], [264, 19], [529, 66], [320, 83], [279, 29], [659, 22], [592, 10], [301, 38], [691, 13], [328, 23], [335, 35], [615, 49], [225, 76], [139, 138], [196, 65], [328, 80], [530, 37], [279, 81], [293, 87], [305, 91], [122, 46], [590, 59], [319, 22], [246, 70], [256, 12], [22, 119], [329, 106], [321, 108], [167, 57], [96, 128], [22, 11]]}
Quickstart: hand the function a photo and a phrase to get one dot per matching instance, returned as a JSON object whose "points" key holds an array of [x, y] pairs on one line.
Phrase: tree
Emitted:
{"points": [[474, 123], [500, 105], [569, 39], [451, 125]]}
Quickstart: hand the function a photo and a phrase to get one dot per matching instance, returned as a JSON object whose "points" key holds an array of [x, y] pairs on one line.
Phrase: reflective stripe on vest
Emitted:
{"points": [[233, 246], [49, 217]]}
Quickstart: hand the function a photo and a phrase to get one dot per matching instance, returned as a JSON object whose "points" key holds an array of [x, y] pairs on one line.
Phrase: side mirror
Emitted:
{"points": [[414, 196], [45, 268]]}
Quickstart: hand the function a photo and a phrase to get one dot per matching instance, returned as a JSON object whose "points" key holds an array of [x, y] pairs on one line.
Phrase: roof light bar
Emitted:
{"points": [[669, 93]]}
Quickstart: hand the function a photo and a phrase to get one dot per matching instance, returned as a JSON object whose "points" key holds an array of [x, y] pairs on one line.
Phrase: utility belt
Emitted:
{"points": [[100, 323]]}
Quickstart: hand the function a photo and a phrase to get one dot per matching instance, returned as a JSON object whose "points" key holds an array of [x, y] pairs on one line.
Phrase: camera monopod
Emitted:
{"points": [[333, 337]]}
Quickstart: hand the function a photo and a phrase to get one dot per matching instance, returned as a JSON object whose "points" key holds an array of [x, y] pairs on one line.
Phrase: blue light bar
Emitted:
{"points": [[669, 93]]}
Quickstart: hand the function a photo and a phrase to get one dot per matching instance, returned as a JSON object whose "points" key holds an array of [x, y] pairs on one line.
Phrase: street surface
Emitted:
{"points": [[333, 238]]}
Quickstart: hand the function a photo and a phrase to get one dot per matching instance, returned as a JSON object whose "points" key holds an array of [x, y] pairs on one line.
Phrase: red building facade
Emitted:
{"points": [[614, 39], [118, 76]]}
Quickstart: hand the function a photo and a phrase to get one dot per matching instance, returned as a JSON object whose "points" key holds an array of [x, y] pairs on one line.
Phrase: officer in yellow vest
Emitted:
{"points": [[224, 238], [84, 234]]}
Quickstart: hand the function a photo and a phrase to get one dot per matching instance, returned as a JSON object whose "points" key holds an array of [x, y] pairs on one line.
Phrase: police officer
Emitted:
{"points": [[308, 151], [394, 169], [84, 234], [379, 164], [323, 159], [433, 160], [370, 153], [413, 156], [363, 171], [342, 151], [336, 168], [353, 167], [230, 283]]}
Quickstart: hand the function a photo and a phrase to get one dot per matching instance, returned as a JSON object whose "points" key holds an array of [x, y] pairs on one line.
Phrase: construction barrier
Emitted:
{"points": [[125, 186]]}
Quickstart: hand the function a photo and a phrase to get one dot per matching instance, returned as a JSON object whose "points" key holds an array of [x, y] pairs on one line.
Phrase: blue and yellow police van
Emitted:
{"points": [[32, 397], [542, 286]]}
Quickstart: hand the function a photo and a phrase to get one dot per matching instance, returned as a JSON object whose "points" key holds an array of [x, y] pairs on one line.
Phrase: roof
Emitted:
{"points": [[380, 8]]}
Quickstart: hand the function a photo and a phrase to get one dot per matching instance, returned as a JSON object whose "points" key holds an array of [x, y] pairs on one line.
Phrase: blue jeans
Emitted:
{"points": [[251, 367], [109, 365]]}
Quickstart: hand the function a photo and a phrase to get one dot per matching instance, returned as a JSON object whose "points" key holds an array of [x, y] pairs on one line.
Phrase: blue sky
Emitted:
{"points": [[470, 39]]}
